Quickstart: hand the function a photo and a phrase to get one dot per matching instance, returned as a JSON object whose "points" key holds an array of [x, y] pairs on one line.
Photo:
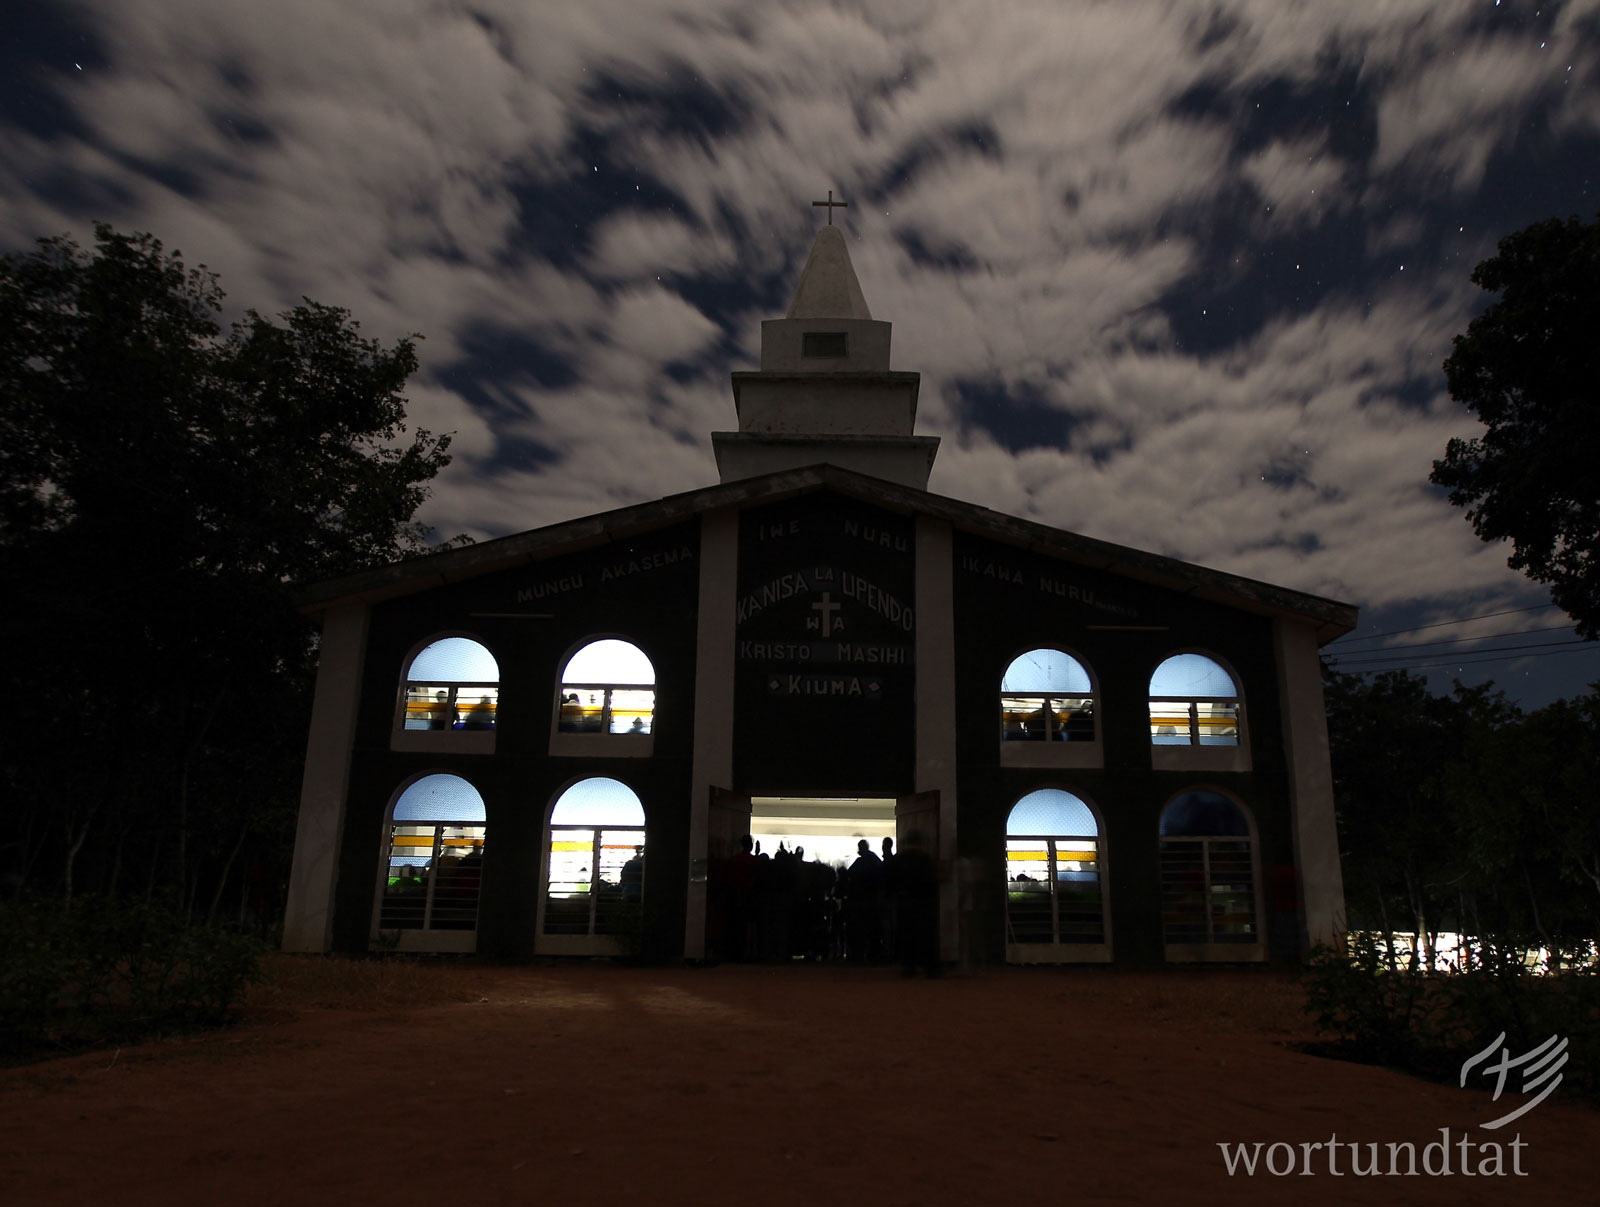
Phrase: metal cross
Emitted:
{"points": [[832, 205]]}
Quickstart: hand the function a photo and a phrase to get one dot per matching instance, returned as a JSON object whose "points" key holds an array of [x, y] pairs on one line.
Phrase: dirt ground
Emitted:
{"points": [[397, 1082]]}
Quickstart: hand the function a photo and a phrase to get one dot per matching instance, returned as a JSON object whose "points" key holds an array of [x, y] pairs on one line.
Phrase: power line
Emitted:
{"points": [[1493, 649], [1440, 624], [1422, 645], [1417, 666]]}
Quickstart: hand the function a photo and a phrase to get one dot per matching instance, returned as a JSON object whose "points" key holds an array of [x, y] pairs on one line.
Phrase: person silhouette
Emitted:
{"points": [[889, 903], [631, 878], [479, 716], [864, 903], [442, 716]]}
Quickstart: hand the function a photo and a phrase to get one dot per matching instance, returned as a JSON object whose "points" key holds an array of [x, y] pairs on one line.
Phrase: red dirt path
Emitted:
{"points": [[595, 1084]]}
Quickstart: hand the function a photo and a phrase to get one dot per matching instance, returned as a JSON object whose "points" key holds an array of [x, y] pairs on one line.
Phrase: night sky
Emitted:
{"points": [[1179, 276]]}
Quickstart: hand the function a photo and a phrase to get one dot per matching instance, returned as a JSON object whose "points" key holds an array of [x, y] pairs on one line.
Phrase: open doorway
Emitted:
{"points": [[828, 827], [788, 880]]}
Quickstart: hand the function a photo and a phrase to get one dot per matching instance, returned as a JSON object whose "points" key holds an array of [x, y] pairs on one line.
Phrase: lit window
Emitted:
{"points": [[1046, 696], [453, 684], [1208, 884], [1053, 889], [435, 857], [608, 687], [1193, 702], [595, 882]]}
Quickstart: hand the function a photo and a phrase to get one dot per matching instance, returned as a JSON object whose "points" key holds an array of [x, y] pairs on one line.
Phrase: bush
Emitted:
{"points": [[1429, 1023], [101, 972]]}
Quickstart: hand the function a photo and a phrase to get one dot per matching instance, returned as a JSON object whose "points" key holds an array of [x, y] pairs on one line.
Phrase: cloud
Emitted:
{"points": [[1300, 180], [1440, 120], [659, 326], [1039, 191]]}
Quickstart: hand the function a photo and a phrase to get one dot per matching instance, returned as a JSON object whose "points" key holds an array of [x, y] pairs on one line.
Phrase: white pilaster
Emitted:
{"points": [[712, 760], [1305, 736], [308, 914], [936, 708]]}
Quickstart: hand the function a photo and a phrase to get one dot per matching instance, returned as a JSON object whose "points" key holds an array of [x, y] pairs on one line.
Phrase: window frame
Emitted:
{"points": [[605, 744], [1055, 951], [424, 939], [621, 943], [1050, 752], [439, 741], [1191, 756], [1212, 951]]}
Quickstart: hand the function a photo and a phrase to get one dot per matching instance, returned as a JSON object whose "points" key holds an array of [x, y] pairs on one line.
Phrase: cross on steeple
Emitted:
{"points": [[832, 205]]}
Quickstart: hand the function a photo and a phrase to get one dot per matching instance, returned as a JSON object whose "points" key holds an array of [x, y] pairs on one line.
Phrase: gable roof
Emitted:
{"points": [[1331, 618]]}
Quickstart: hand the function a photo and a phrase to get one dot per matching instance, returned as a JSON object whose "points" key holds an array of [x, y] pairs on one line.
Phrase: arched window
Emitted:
{"points": [[1046, 696], [1193, 702], [453, 684], [1055, 901], [608, 687], [434, 866], [594, 878], [1208, 879]]}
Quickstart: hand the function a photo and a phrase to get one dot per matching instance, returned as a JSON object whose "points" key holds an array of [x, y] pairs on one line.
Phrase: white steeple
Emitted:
{"points": [[825, 392], [828, 287]]}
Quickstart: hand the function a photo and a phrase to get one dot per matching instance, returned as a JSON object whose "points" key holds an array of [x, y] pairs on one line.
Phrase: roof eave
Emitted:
{"points": [[1330, 618]]}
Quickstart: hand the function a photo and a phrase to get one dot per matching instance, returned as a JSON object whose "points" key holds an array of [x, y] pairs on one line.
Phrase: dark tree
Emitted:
{"points": [[1529, 368], [1462, 813], [163, 484], [1400, 827]]}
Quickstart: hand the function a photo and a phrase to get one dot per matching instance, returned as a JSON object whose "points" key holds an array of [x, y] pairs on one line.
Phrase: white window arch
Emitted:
{"points": [[451, 695], [1046, 696], [1210, 904], [1048, 711], [607, 688], [593, 870], [1194, 701], [1055, 891], [432, 871]]}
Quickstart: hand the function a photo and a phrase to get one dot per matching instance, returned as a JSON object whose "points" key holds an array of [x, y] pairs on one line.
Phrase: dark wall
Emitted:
{"points": [[824, 683], [1008, 601], [644, 590], [824, 691]]}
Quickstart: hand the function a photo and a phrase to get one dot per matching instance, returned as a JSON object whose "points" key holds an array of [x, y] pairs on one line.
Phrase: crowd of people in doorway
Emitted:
{"points": [[781, 907]]}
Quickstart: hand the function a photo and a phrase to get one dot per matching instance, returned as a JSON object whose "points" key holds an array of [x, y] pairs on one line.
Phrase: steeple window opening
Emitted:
{"points": [[832, 345]]}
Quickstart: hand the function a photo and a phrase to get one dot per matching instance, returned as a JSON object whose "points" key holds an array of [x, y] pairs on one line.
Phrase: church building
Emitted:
{"points": [[556, 743]]}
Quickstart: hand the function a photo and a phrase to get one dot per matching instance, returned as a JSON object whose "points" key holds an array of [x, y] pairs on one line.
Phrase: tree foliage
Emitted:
{"points": [[1463, 813], [1528, 367], [163, 483]]}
